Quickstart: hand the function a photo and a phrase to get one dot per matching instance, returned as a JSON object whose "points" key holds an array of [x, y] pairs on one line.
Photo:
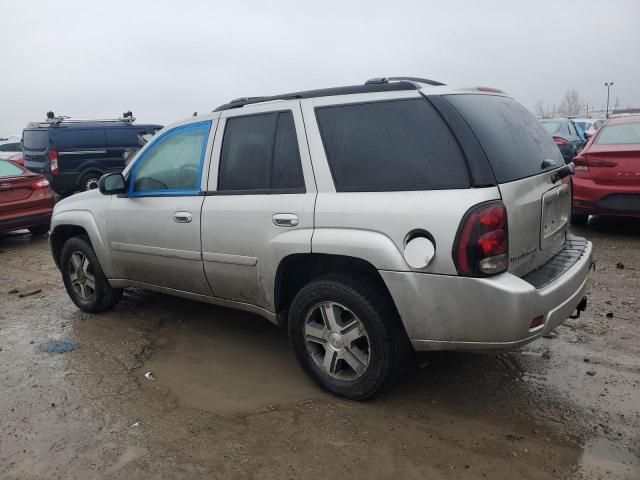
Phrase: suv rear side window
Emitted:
{"points": [[513, 140], [390, 146], [260, 152]]}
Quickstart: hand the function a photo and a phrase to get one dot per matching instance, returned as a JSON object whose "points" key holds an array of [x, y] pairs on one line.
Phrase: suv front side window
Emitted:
{"points": [[173, 164], [260, 154]]}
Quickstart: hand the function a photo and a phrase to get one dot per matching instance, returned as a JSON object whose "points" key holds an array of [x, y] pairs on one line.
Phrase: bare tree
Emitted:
{"points": [[571, 103], [539, 109]]}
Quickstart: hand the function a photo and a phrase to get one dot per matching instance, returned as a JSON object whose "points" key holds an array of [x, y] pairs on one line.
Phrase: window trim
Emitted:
{"points": [[175, 192], [261, 191], [389, 188]]}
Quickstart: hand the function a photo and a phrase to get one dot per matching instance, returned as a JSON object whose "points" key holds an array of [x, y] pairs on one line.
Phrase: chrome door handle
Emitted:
{"points": [[182, 217], [285, 220]]}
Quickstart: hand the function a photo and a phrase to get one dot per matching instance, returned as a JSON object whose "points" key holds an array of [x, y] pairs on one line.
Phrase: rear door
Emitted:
{"points": [[35, 146], [524, 158], [80, 149], [259, 205]]}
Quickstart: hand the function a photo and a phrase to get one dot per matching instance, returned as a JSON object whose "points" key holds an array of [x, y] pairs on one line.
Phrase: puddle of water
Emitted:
{"points": [[229, 363]]}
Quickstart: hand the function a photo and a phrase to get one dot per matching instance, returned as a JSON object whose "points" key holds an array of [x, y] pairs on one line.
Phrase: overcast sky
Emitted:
{"points": [[166, 59]]}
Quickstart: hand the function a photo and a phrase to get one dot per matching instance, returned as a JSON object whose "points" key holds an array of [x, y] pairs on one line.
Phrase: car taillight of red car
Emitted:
{"points": [[482, 243], [40, 184]]}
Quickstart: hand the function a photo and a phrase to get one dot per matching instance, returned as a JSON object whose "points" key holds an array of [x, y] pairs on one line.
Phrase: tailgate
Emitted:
{"points": [[538, 213]]}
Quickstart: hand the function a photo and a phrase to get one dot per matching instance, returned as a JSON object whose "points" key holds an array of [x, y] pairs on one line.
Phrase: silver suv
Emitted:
{"points": [[371, 220]]}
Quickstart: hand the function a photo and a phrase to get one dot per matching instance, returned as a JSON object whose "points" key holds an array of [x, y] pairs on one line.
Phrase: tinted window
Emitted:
{"points": [[387, 146], [173, 163], [9, 169], [35, 139], [122, 137], [514, 141], [260, 152], [10, 147], [78, 138], [624, 134]]}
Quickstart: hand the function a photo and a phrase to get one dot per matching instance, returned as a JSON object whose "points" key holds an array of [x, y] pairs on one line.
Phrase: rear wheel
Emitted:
{"points": [[347, 336], [83, 278], [579, 219], [89, 181]]}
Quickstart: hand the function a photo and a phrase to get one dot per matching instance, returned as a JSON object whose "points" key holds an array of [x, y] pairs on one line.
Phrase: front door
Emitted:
{"points": [[154, 230]]}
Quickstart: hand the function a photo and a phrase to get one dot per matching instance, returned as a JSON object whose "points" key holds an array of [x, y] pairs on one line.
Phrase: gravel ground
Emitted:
{"points": [[226, 399]]}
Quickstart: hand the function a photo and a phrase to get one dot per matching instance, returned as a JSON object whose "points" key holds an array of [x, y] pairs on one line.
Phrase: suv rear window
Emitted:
{"points": [[513, 140], [35, 139], [390, 146]]}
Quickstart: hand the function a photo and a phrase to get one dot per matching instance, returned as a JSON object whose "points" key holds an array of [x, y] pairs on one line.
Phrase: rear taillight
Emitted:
{"points": [[583, 163], [482, 243], [560, 141], [41, 184], [53, 161]]}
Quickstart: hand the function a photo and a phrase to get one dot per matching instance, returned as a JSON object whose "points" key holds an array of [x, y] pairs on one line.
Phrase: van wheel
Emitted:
{"points": [[89, 181], [347, 336], [83, 278]]}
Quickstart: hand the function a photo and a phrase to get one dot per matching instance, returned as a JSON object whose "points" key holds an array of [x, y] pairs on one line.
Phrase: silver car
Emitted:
{"points": [[370, 220]]}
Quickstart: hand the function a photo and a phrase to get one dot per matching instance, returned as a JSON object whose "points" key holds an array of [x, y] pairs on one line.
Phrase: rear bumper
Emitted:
{"points": [[62, 182], [26, 220], [442, 312], [592, 198]]}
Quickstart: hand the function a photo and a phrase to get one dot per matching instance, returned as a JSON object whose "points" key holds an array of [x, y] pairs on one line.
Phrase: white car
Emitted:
{"points": [[10, 146]]}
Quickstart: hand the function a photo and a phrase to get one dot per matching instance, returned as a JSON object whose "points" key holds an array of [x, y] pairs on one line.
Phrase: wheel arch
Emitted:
{"points": [[68, 224], [297, 270]]}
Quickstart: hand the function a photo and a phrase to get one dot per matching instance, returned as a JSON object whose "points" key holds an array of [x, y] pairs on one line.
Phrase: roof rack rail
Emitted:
{"points": [[323, 92], [426, 81], [54, 121]]}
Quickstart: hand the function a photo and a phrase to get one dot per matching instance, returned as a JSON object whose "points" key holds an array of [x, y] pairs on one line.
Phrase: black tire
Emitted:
{"points": [[579, 219], [39, 229], [103, 296], [89, 181], [371, 304]]}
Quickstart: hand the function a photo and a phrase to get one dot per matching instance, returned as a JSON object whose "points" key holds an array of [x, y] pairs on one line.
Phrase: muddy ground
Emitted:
{"points": [[228, 400]]}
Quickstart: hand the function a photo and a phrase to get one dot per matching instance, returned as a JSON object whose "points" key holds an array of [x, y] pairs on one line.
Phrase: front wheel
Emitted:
{"points": [[83, 278], [347, 336]]}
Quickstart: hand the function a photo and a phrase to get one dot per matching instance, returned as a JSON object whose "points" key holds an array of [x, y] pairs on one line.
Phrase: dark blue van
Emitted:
{"points": [[74, 154]]}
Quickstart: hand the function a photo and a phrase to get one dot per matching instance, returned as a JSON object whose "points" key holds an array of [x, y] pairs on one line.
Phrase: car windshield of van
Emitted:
{"points": [[35, 139], [625, 134]]}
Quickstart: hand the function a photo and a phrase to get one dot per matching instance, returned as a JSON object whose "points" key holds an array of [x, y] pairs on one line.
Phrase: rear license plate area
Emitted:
{"points": [[556, 210]]}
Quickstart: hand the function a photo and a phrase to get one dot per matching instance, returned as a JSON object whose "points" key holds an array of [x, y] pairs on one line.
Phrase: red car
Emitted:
{"points": [[26, 201], [17, 158], [607, 172]]}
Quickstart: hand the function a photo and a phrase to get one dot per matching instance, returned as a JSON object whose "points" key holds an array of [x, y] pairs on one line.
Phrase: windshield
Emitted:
{"points": [[516, 144], [626, 134], [35, 139], [551, 127]]}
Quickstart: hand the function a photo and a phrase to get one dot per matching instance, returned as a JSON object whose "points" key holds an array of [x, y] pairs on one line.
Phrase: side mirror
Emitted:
{"points": [[112, 183]]}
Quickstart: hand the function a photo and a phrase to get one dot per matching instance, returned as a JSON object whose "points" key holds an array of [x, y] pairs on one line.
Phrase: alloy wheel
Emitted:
{"points": [[82, 275], [337, 341]]}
